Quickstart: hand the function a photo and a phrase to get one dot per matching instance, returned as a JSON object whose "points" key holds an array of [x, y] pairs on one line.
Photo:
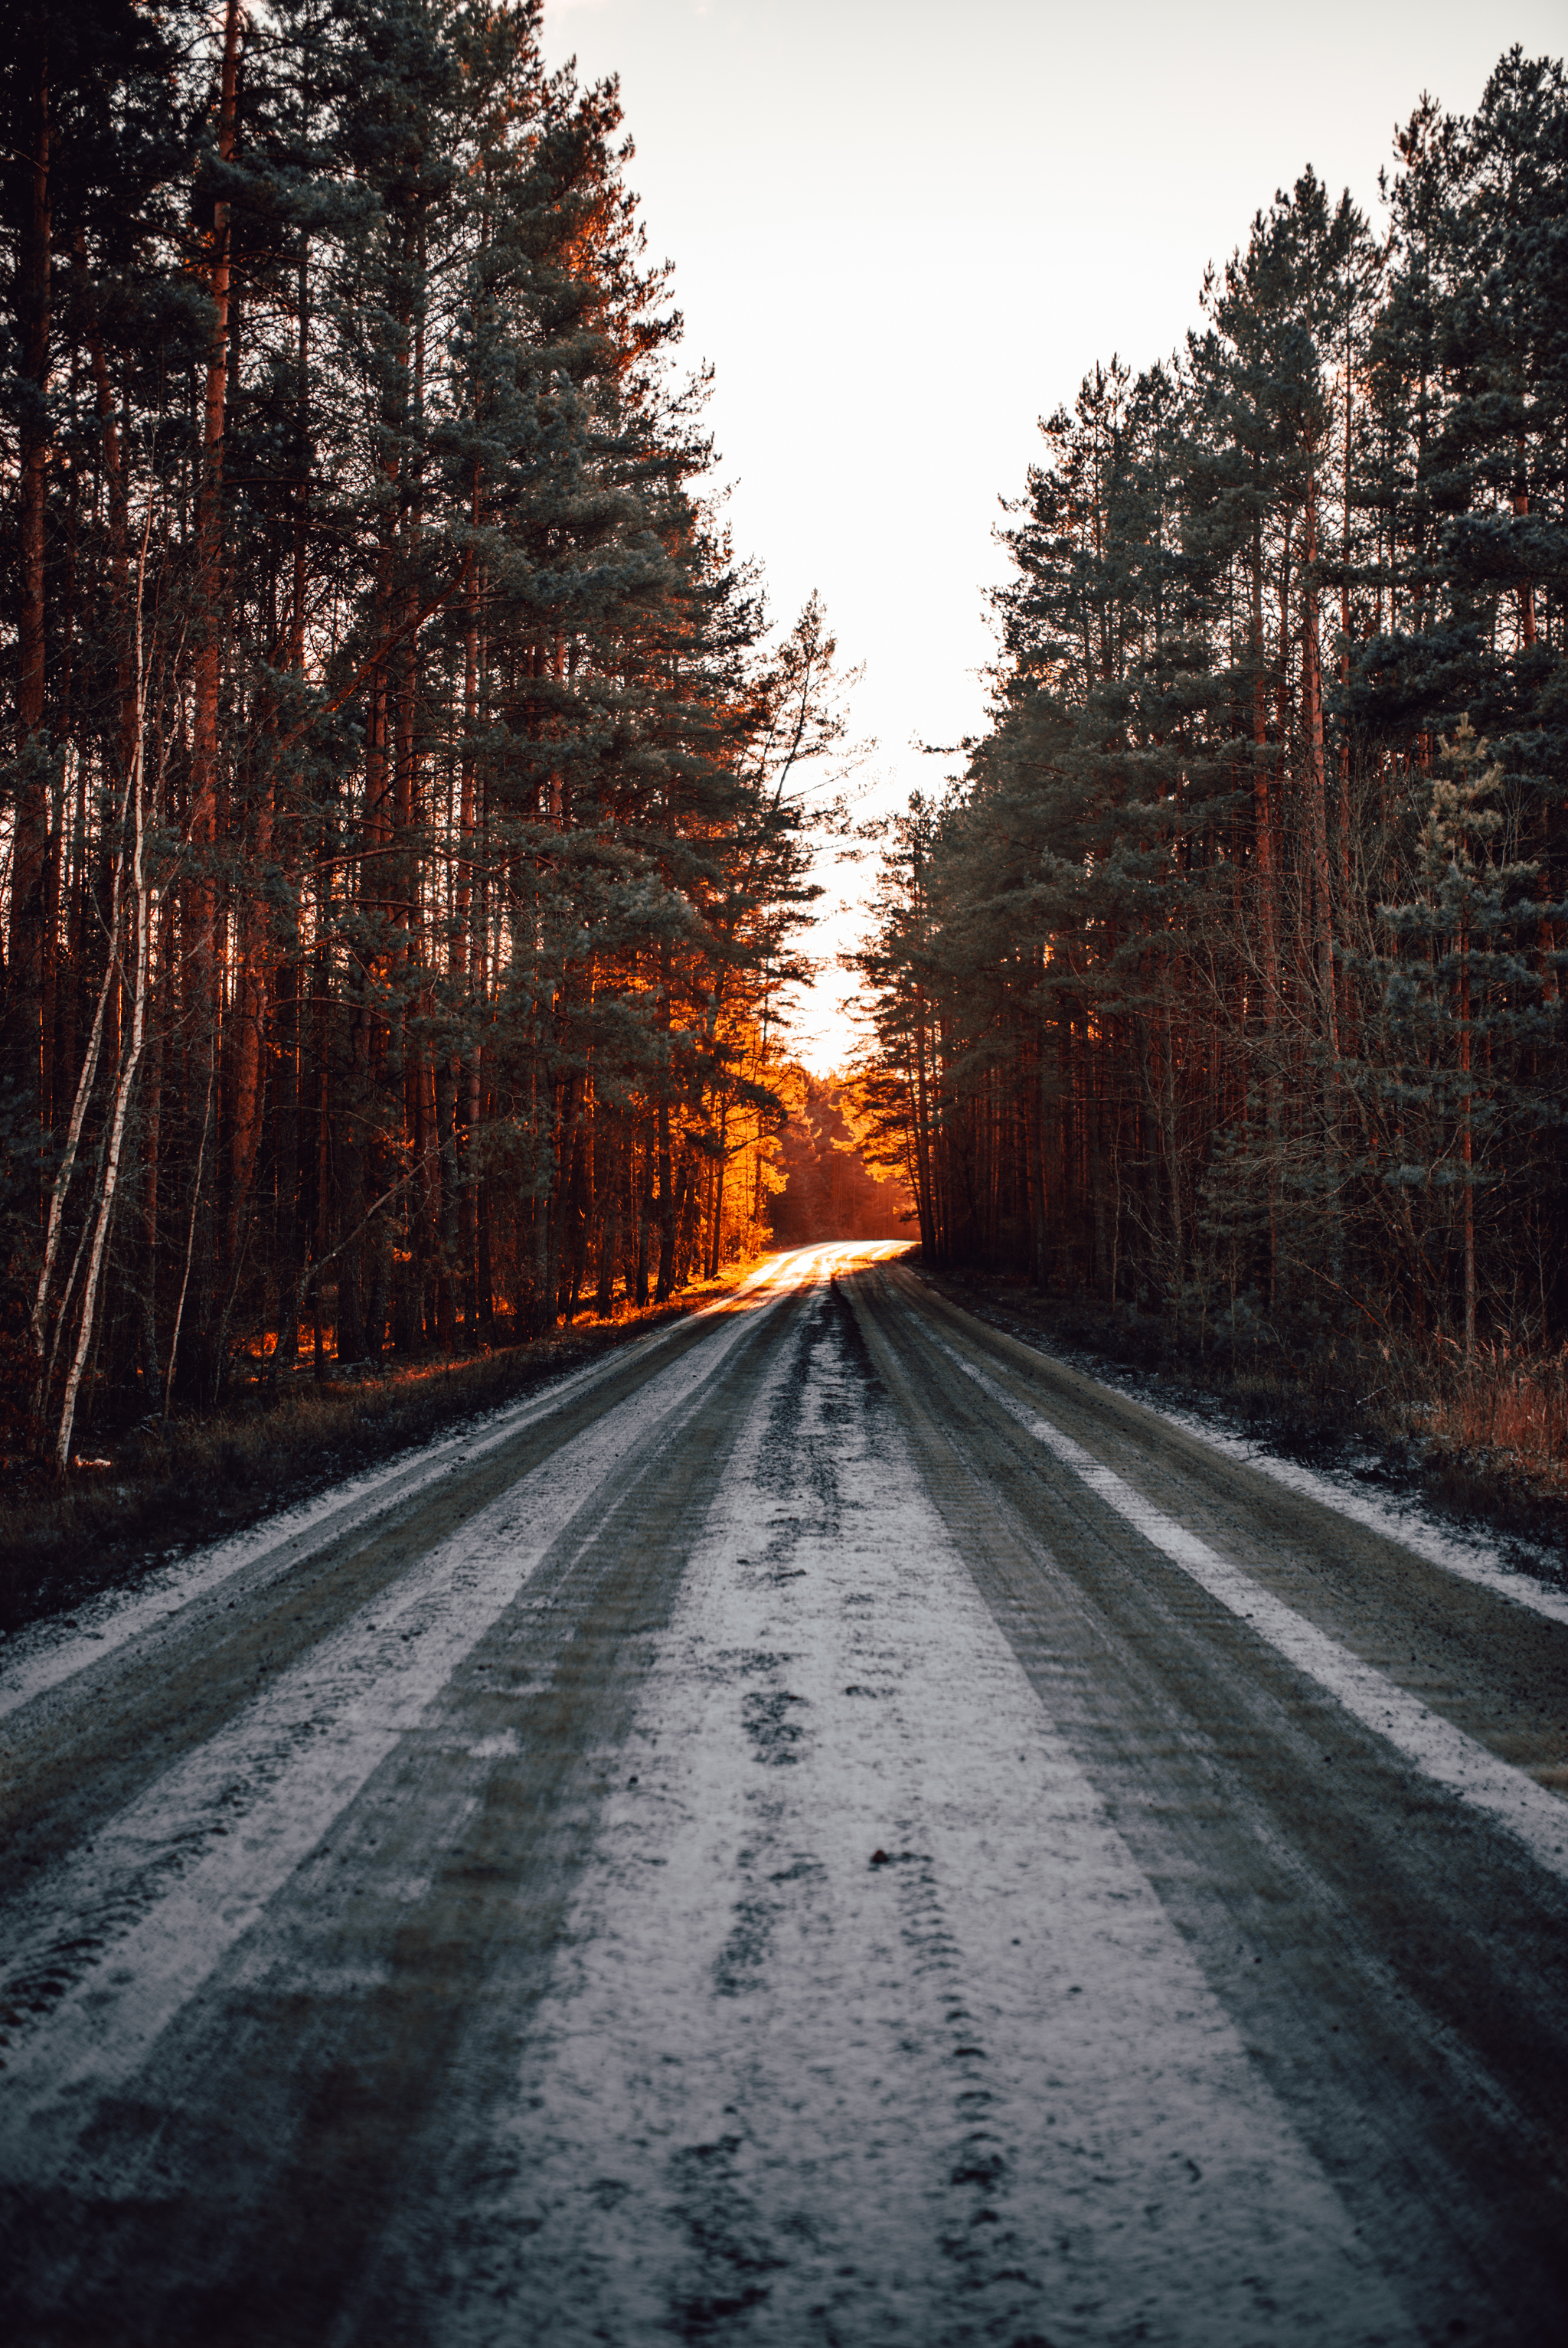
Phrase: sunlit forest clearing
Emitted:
{"points": [[413, 802]]}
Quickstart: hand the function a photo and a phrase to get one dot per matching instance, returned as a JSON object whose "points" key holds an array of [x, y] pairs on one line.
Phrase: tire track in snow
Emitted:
{"points": [[103, 1954], [1343, 1909], [976, 2090], [39, 1660], [1533, 1816]]}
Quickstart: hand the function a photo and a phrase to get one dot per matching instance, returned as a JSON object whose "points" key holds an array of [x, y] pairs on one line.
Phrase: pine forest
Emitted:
{"points": [[408, 831], [412, 803], [1227, 981]]}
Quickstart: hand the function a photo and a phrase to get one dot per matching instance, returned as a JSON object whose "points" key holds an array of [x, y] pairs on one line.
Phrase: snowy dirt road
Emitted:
{"points": [[827, 1827]]}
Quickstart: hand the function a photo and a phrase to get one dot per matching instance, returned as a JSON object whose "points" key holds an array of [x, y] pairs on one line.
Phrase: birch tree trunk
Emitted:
{"points": [[131, 1048]]}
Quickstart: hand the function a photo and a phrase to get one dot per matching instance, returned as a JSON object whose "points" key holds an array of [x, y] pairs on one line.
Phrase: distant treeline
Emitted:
{"points": [[402, 843], [827, 1192], [1231, 973]]}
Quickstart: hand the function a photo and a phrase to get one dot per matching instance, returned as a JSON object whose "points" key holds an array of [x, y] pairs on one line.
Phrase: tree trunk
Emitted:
{"points": [[1267, 895], [28, 938]]}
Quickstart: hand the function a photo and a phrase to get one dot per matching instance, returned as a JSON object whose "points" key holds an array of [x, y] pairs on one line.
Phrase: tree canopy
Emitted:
{"points": [[1231, 972], [406, 847]]}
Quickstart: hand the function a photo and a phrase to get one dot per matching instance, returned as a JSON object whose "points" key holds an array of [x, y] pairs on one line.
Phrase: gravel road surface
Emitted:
{"points": [[825, 1827]]}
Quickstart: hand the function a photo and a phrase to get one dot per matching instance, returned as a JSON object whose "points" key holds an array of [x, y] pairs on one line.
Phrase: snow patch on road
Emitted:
{"points": [[1536, 1817], [1470, 1556], [41, 1657], [1473, 1557], [130, 1927], [870, 2028]]}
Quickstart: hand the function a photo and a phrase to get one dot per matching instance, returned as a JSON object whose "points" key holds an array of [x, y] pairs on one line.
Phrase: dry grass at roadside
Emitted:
{"points": [[1485, 1442], [160, 1489], [1505, 1405]]}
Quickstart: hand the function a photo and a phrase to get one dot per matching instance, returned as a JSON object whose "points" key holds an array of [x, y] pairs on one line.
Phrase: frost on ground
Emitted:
{"points": [[1523, 1570], [869, 2029], [42, 1656], [1528, 1571], [108, 1944]]}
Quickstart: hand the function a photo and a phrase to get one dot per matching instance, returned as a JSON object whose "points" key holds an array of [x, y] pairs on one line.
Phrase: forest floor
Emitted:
{"points": [[1339, 1409], [135, 1501]]}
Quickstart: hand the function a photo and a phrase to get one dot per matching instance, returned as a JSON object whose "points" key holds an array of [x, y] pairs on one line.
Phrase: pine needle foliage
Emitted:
{"points": [[1228, 979], [406, 845]]}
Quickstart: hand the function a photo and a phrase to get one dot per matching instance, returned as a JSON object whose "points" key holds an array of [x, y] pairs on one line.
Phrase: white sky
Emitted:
{"points": [[904, 232]]}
